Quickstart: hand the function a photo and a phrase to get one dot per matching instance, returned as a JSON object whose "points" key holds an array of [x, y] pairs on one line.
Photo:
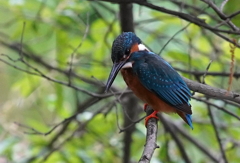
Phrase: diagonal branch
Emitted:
{"points": [[217, 134], [194, 141], [179, 143], [221, 14]]}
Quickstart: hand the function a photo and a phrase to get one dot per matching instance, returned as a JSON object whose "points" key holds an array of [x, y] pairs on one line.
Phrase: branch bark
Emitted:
{"points": [[151, 138], [126, 17], [212, 92]]}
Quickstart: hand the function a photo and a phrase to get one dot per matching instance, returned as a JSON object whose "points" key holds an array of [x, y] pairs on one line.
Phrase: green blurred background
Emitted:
{"points": [[63, 36]]}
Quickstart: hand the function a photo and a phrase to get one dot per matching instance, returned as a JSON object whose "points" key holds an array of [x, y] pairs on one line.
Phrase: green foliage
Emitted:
{"points": [[76, 36]]}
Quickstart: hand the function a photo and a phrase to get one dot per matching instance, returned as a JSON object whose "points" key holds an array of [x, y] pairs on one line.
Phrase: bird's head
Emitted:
{"points": [[122, 48]]}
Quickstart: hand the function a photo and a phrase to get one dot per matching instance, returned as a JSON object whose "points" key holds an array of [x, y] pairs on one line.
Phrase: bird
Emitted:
{"points": [[150, 77]]}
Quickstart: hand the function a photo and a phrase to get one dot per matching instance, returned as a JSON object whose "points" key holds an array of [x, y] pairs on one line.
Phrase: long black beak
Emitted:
{"points": [[115, 69]]}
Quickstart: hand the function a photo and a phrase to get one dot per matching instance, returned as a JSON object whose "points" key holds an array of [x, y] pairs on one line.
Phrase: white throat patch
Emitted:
{"points": [[127, 65], [142, 47]]}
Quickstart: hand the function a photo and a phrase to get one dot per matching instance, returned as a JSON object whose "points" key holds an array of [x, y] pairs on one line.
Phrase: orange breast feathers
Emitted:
{"points": [[144, 94]]}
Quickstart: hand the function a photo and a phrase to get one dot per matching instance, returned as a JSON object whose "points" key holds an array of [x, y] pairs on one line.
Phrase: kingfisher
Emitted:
{"points": [[150, 77]]}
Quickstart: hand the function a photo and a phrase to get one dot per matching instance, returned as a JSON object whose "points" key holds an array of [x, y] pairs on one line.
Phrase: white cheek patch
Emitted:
{"points": [[142, 47], [127, 65]]}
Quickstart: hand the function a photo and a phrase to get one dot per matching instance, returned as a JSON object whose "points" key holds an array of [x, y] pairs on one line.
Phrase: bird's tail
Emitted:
{"points": [[186, 117]]}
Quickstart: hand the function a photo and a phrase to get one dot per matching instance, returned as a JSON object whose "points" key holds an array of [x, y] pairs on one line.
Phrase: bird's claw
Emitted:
{"points": [[152, 115]]}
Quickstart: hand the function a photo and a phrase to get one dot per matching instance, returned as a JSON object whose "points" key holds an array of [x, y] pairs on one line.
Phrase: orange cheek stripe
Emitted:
{"points": [[134, 48]]}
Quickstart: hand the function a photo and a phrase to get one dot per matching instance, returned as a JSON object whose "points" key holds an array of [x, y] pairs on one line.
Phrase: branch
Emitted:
{"points": [[64, 128], [217, 134], [221, 14], [217, 107], [187, 17], [194, 86], [182, 29], [126, 17], [178, 141], [194, 141], [209, 73], [212, 92], [151, 138], [192, 19], [81, 108], [81, 128], [186, 6], [234, 14]]}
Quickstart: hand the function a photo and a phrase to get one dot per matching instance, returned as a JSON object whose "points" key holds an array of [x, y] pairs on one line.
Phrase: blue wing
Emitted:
{"points": [[159, 77]]}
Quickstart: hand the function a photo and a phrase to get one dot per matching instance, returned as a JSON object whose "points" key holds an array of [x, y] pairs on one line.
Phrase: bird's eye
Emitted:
{"points": [[127, 51]]}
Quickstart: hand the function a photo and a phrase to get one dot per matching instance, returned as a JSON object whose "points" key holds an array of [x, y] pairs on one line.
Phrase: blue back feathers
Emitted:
{"points": [[159, 77]]}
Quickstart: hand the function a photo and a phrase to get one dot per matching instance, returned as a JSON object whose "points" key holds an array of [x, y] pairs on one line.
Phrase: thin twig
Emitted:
{"points": [[188, 18], [209, 73], [66, 120], [21, 43], [233, 14], [205, 74], [221, 14], [217, 107], [173, 37], [41, 74], [195, 142], [79, 128], [223, 4], [75, 50]]}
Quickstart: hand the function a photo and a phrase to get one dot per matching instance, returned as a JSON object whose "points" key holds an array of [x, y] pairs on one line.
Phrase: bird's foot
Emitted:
{"points": [[152, 115]]}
